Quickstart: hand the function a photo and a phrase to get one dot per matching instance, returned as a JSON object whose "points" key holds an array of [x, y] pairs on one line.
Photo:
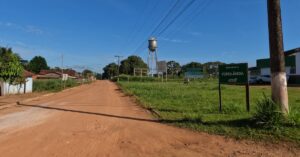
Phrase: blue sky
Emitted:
{"points": [[89, 33]]}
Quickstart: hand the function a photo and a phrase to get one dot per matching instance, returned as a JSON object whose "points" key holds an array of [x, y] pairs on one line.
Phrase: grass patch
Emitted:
{"points": [[52, 85], [195, 106]]}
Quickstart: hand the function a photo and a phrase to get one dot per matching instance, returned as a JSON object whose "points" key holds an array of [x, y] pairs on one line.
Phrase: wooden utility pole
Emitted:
{"points": [[277, 58]]}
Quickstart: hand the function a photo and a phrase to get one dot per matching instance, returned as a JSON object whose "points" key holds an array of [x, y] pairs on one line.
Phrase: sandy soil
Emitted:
{"points": [[98, 120]]}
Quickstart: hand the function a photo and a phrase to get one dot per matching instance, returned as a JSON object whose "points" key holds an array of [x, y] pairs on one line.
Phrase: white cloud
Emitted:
{"points": [[33, 29], [28, 28], [173, 40]]}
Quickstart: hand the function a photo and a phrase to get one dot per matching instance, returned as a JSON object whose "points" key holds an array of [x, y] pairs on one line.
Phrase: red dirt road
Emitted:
{"points": [[98, 120]]}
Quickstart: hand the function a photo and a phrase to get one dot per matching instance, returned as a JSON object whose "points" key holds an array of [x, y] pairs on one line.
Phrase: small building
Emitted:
{"points": [[54, 74], [49, 75], [292, 63], [26, 87]]}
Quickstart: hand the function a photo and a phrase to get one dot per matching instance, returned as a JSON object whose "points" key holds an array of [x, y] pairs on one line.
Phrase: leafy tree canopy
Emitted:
{"points": [[173, 67], [127, 66], [37, 64], [110, 71], [211, 68], [10, 65], [191, 65], [87, 73]]}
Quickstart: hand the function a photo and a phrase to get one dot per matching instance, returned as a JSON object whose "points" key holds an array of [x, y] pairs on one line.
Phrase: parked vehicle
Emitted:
{"points": [[264, 79], [253, 79]]}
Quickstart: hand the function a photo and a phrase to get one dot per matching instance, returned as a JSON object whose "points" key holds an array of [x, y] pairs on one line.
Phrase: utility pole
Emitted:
{"points": [[62, 71], [119, 58], [277, 58]]}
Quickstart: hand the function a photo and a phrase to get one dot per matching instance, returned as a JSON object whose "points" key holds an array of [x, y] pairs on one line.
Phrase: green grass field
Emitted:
{"points": [[195, 106]]}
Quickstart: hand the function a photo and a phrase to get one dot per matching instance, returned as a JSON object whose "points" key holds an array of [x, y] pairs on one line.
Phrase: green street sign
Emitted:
{"points": [[233, 73]]}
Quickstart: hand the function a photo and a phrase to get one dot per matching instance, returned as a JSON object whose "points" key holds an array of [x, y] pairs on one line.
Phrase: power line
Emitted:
{"points": [[159, 24], [191, 18], [136, 25], [176, 17]]}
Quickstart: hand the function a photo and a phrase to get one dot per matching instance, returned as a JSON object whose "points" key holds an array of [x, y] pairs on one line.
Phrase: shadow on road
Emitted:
{"points": [[91, 113]]}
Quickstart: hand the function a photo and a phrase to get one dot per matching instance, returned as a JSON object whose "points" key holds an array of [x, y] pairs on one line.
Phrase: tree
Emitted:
{"points": [[128, 65], [37, 64], [10, 66], [278, 74], [87, 73], [211, 68], [110, 71], [173, 68], [98, 76], [191, 65]]}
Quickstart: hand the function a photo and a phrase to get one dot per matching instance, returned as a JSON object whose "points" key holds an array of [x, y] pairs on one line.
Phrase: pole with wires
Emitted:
{"points": [[62, 72], [119, 59], [277, 58]]}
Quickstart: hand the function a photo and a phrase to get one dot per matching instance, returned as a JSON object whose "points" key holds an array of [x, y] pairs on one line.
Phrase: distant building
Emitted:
{"points": [[292, 63], [6, 88], [55, 74], [292, 66]]}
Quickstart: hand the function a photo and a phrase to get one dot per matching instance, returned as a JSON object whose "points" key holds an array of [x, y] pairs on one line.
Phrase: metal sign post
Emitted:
{"points": [[234, 74]]}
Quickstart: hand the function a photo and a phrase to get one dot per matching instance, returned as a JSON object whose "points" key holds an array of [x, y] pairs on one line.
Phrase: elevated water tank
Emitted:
{"points": [[152, 44]]}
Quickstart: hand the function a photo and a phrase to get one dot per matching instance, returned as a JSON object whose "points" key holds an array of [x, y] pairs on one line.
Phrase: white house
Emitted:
{"points": [[298, 63], [6, 88]]}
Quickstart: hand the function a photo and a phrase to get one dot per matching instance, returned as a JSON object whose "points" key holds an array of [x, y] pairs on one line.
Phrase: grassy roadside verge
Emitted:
{"points": [[52, 85], [195, 106]]}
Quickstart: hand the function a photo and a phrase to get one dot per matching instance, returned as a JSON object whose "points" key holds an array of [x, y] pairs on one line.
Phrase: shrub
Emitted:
{"points": [[268, 114], [51, 85], [135, 78]]}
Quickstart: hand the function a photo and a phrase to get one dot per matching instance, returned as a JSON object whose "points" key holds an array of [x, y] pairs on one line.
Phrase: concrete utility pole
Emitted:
{"points": [[277, 58], [119, 58]]}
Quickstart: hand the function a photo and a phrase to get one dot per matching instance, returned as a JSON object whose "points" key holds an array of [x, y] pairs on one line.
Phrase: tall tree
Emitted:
{"points": [[87, 73], [191, 65], [110, 71], [10, 65], [37, 64], [279, 82], [211, 68], [173, 68], [128, 65]]}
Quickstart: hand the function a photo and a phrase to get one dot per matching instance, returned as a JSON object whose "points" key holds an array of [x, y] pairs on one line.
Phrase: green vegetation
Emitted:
{"points": [[37, 64], [52, 85], [195, 106], [127, 66], [110, 71], [10, 66]]}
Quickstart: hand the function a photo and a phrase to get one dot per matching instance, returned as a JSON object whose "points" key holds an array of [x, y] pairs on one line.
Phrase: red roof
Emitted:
{"points": [[45, 72], [28, 74], [66, 71]]}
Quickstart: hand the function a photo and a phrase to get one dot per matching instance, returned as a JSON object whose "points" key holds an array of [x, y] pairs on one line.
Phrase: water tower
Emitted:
{"points": [[152, 56]]}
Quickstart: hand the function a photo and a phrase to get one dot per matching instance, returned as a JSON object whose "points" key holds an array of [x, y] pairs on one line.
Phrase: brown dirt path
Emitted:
{"points": [[98, 120]]}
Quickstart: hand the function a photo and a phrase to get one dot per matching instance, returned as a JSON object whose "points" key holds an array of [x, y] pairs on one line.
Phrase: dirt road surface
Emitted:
{"points": [[98, 120]]}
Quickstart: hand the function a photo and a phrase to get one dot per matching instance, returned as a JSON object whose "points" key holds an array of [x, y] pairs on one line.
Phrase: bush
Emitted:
{"points": [[51, 85], [135, 78], [268, 114]]}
